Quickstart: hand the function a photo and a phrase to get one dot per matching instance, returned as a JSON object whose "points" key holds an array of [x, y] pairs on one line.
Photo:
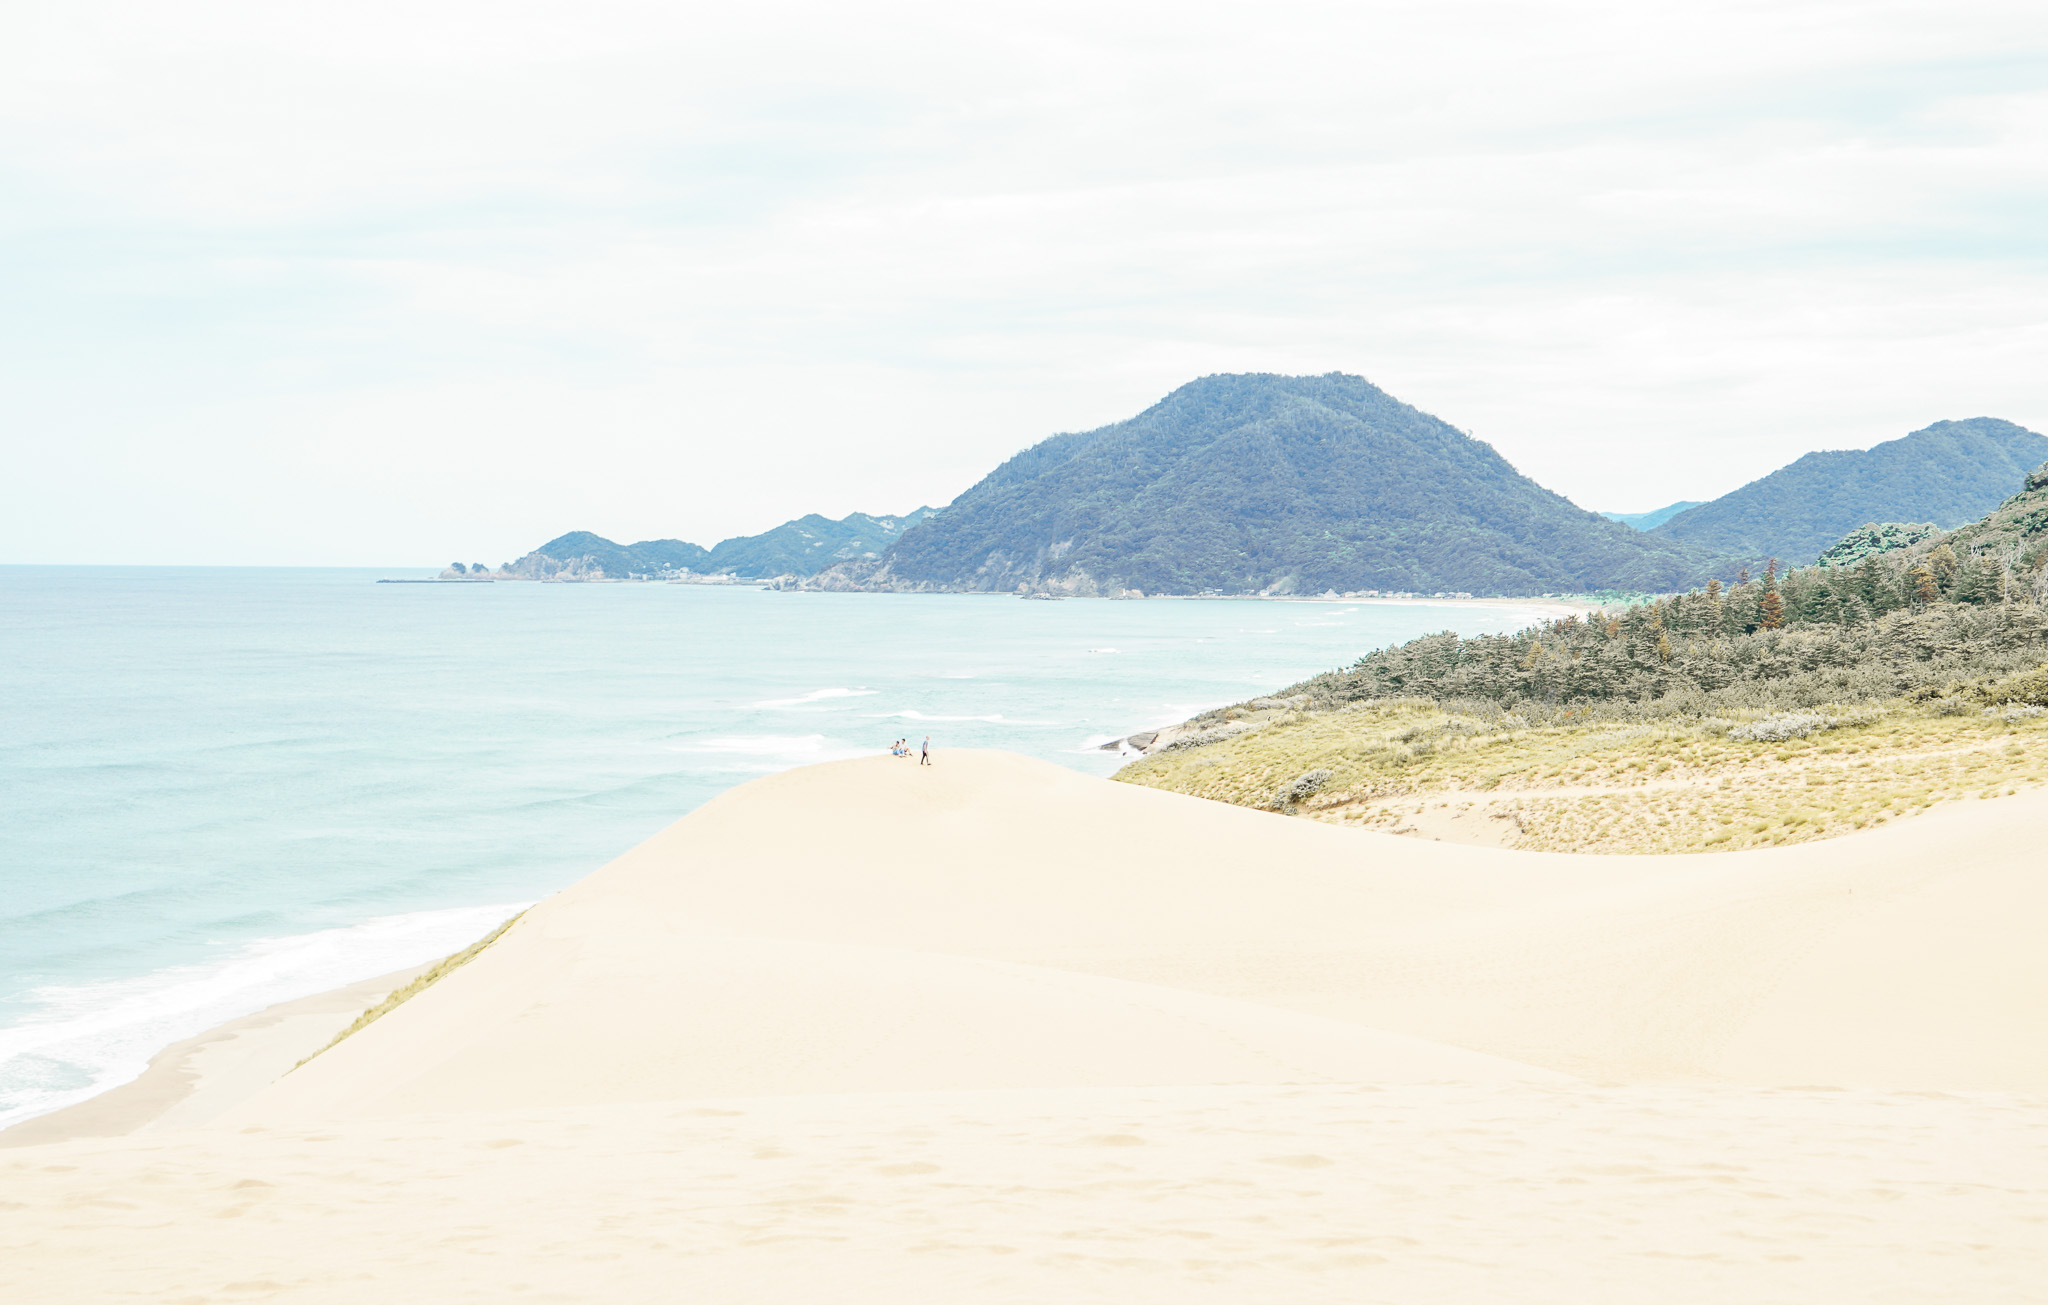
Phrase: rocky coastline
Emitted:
{"points": [[1212, 726]]}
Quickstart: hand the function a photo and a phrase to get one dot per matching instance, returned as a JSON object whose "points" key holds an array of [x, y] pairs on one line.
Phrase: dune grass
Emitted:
{"points": [[1618, 785], [440, 970]]}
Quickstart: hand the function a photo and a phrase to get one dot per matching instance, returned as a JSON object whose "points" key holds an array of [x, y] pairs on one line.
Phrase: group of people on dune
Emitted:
{"points": [[901, 748]]}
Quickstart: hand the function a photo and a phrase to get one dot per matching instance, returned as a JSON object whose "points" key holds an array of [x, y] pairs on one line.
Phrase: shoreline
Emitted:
{"points": [[774, 584], [191, 1081]]}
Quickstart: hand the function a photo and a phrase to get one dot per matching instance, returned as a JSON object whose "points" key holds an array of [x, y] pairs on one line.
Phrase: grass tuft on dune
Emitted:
{"points": [[440, 970]]}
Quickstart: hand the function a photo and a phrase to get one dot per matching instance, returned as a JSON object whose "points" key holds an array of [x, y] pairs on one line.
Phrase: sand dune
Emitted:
{"points": [[1022, 1034], [996, 922]]}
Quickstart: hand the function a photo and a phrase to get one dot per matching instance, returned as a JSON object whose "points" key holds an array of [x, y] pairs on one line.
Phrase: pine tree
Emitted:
{"points": [[1947, 568], [1925, 589], [1772, 606]]}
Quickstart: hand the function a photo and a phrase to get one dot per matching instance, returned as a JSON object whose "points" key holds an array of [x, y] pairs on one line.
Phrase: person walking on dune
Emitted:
{"points": [[925, 758]]}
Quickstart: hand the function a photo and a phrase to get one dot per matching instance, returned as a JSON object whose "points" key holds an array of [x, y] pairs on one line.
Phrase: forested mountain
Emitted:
{"points": [[580, 553], [2014, 534], [1948, 473], [1267, 484], [811, 543], [1271, 484], [801, 547]]}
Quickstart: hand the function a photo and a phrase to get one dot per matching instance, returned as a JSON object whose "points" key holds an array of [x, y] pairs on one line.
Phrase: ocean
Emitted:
{"points": [[224, 788]]}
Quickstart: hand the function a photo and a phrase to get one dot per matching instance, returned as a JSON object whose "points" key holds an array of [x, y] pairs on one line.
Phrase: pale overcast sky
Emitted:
{"points": [[400, 283]]}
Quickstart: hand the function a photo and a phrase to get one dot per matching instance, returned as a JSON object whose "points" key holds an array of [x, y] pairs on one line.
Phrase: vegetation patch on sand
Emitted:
{"points": [[441, 970], [1777, 710], [1571, 780]]}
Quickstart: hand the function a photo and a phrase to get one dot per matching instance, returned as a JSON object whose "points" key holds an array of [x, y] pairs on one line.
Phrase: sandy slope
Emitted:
{"points": [[995, 922], [991, 1029], [1446, 1193]]}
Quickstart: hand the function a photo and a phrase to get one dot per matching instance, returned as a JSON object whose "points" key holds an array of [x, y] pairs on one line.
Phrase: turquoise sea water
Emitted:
{"points": [[225, 788]]}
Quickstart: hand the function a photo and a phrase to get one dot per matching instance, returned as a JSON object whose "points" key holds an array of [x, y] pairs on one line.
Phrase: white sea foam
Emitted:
{"points": [[79, 1041], [997, 719], [818, 695], [768, 753]]}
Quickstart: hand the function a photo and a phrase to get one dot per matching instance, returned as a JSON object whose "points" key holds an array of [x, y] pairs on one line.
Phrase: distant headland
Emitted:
{"points": [[1260, 485]]}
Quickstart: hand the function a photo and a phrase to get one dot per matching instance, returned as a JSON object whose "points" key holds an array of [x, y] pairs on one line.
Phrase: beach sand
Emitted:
{"points": [[189, 1083], [993, 1030]]}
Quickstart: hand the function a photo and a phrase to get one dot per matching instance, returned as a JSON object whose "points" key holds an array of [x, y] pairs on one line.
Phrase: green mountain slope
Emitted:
{"points": [[801, 547], [581, 552], [2012, 537], [1948, 473], [811, 543], [1264, 483]]}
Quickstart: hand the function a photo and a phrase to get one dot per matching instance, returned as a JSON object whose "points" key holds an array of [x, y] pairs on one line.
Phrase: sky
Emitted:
{"points": [[399, 283]]}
